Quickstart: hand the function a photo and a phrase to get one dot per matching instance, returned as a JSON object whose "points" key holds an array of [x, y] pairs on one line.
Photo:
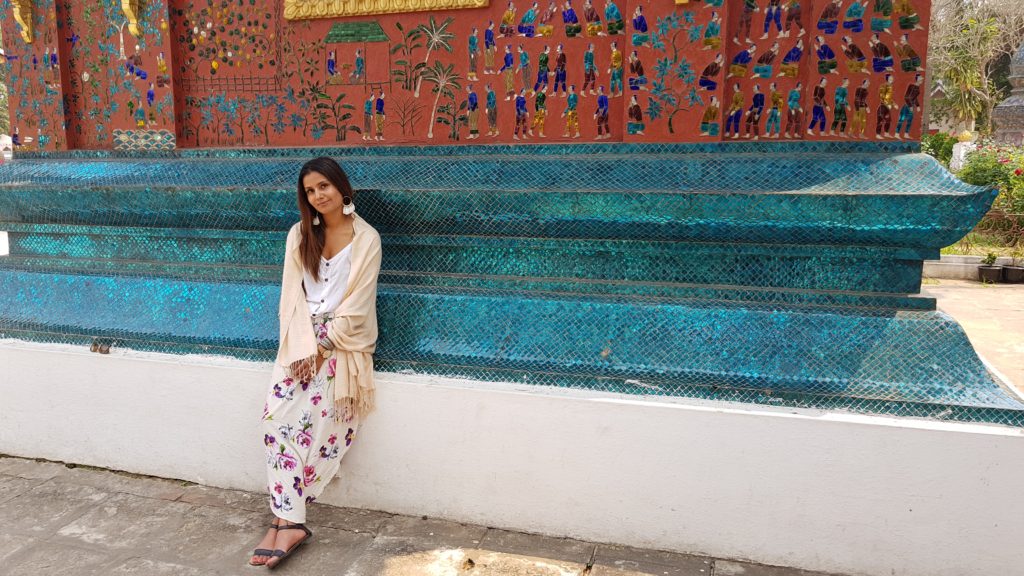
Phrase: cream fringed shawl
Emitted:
{"points": [[353, 330]]}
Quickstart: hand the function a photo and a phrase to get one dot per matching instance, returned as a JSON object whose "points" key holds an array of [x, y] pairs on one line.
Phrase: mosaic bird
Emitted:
{"points": [[74, 39]]}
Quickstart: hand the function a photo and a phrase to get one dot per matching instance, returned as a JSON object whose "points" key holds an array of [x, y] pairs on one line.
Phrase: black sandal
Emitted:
{"points": [[282, 554], [263, 551]]}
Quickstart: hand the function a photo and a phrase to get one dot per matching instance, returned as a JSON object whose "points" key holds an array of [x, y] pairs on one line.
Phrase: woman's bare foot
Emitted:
{"points": [[266, 544], [287, 539]]}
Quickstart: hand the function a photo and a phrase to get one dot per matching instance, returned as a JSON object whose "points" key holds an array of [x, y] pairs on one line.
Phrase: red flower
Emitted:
{"points": [[1018, 172]]}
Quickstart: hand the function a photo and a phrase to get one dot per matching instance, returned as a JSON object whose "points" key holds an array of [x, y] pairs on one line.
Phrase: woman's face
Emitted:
{"points": [[322, 195]]}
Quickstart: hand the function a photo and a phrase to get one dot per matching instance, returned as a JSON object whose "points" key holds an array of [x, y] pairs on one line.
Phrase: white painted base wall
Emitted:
{"points": [[821, 491]]}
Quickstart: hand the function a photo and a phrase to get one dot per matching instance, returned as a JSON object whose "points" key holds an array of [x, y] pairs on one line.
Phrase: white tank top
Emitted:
{"points": [[326, 294]]}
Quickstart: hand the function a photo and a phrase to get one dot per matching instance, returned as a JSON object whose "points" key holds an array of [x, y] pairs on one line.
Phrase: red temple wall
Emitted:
{"points": [[239, 74]]}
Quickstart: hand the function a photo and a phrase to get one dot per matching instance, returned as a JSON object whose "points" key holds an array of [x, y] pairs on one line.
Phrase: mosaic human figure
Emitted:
{"points": [[472, 113], [855, 59], [709, 76], [790, 67], [910, 61], [543, 70], [794, 17], [713, 32], [332, 63], [508, 69], [594, 25], [474, 51], [840, 106], [589, 71], [828, 22], [571, 20], [490, 48], [860, 110], [604, 131], [528, 24], [908, 18], [735, 113], [859, 122], [753, 124], [615, 71], [140, 116], [379, 116], [794, 111], [522, 116], [763, 68], [561, 71], [853, 20], [544, 22], [634, 117], [613, 18], [772, 15], [881, 60], [773, 125], [640, 35], [818, 97], [161, 63], [911, 104], [827, 63], [741, 62], [883, 121], [508, 21], [368, 115], [359, 67], [746, 17], [150, 95], [709, 120], [881, 19], [524, 65], [571, 114], [637, 79], [540, 113], [491, 103]]}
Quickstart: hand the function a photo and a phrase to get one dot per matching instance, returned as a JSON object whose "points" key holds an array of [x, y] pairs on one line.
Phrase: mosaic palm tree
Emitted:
{"points": [[438, 38], [445, 82]]}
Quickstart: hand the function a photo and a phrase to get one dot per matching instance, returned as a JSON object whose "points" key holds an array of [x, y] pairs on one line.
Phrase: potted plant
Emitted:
{"points": [[988, 272], [1014, 273]]}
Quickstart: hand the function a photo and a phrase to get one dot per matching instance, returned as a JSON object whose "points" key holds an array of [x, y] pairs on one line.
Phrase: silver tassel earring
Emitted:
{"points": [[349, 206]]}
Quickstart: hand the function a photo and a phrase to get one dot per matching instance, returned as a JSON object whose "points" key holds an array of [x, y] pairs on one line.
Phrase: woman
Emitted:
{"points": [[322, 386]]}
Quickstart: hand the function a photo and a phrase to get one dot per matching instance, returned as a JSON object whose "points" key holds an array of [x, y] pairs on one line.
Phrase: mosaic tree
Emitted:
{"points": [[438, 38], [674, 87], [445, 82], [408, 72]]}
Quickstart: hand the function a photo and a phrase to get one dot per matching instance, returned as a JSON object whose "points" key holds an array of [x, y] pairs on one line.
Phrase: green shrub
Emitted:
{"points": [[999, 167], [939, 146]]}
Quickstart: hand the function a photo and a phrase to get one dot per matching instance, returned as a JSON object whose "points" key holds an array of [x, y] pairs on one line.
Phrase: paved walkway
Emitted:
{"points": [[63, 520], [993, 317]]}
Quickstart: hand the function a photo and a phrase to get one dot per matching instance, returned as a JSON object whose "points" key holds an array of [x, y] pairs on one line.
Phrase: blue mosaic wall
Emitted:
{"points": [[767, 273]]}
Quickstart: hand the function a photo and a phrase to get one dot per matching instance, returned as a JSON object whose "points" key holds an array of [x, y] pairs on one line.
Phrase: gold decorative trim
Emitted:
{"points": [[131, 12], [307, 9], [23, 15]]}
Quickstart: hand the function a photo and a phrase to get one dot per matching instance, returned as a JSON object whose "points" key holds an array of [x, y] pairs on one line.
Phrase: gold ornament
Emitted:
{"points": [[131, 12], [308, 9], [23, 15]]}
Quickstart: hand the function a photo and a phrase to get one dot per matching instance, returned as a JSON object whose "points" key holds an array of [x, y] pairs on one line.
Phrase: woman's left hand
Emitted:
{"points": [[320, 350]]}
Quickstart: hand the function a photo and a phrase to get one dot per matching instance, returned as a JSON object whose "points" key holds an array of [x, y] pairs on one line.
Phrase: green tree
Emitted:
{"points": [[968, 40]]}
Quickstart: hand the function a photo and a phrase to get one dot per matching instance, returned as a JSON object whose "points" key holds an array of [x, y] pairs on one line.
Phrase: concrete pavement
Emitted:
{"points": [[992, 315], [65, 520]]}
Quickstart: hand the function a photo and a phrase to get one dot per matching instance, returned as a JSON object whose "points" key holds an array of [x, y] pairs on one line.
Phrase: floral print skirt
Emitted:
{"points": [[304, 443]]}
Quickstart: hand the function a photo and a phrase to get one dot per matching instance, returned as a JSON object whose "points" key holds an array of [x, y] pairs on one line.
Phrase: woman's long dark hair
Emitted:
{"points": [[312, 245]]}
